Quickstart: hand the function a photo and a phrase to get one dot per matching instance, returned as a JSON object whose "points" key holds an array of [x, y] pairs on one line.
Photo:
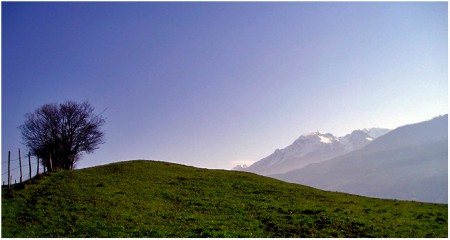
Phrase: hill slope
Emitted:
{"points": [[157, 199]]}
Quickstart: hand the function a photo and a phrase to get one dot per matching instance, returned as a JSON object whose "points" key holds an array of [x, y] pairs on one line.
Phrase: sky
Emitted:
{"points": [[218, 84]]}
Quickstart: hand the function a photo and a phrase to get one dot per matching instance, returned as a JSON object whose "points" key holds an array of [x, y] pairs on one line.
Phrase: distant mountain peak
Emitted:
{"points": [[315, 133], [408, 163], [310, 148], [319, 136]]}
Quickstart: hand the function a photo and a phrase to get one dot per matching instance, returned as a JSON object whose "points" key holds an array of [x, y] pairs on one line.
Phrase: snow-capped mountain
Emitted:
{"points": [[408, 163], [311, 148]]}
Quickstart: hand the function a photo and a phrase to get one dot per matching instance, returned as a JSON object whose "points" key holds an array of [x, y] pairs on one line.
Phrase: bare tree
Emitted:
{"points": [[61, 133]]}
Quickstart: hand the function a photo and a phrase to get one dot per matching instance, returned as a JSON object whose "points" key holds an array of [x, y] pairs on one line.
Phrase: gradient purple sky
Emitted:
{"points": [[217, 84]]}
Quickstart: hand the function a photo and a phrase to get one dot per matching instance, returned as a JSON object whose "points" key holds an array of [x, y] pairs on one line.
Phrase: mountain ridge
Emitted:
{"points": [[310, 148], [409, 163]]}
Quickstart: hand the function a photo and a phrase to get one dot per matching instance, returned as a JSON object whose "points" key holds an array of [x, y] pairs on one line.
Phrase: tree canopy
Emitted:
{"points": [[59, 134]]}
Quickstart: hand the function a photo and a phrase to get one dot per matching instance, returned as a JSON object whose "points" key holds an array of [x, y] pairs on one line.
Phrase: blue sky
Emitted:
{"points": [[216, 84]]}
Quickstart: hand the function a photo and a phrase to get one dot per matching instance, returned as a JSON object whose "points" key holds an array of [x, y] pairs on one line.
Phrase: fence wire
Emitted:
{"points": [[25, 164]]}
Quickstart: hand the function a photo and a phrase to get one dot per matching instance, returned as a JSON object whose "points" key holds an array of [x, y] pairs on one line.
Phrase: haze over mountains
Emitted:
{"points": [[408, 163]]}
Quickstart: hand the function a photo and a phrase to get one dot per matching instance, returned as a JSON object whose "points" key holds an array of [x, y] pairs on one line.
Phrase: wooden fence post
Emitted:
{"points": [[20, 166], [9, 169], [37, 172], [29, 163], [51, 164]]}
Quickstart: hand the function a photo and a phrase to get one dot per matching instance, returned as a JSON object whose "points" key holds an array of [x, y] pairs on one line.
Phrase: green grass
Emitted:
{"points": [[157, 199]]}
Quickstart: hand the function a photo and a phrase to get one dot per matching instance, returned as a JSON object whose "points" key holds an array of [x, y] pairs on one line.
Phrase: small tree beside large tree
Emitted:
{"points": [[59, 134]]}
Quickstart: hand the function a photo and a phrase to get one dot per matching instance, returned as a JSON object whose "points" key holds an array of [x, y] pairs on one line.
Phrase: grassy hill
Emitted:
{"points": [[158, 199]]}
